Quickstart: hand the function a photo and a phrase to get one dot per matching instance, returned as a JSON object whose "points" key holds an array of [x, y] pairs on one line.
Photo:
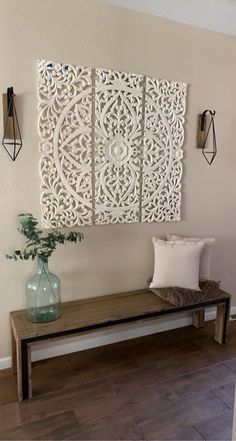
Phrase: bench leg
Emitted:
{"points": [[26, 370], [19, 369], [198, 318], [13, 353], [222, 321]]}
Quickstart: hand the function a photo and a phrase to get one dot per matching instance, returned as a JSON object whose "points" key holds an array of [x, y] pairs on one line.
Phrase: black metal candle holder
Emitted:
{"points": [[207, 128], [12, 141]]}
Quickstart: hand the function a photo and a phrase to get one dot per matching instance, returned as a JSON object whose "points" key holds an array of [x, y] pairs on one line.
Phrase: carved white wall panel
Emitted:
{"points": [[118, 146], [65, 128], [163, 139], [111, 146]]}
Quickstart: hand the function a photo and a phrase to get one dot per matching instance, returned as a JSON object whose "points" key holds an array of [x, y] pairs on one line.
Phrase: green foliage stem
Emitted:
{"points": [[38, 244]]}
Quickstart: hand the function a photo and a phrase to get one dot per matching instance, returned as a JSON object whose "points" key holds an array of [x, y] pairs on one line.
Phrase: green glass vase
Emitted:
{"points": [[43, 295]]}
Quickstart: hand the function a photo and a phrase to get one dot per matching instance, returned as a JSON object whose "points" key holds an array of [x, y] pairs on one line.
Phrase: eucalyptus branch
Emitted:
{"points": [[37, 243]]}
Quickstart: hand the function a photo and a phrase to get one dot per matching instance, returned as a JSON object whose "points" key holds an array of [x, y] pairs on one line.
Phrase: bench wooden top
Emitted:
{"points": [[98, 312]]}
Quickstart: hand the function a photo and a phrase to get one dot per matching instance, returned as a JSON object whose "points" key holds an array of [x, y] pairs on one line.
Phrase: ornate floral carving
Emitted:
{"points": [[65, 94], [118, 146], [111, 146], [163, 139]]}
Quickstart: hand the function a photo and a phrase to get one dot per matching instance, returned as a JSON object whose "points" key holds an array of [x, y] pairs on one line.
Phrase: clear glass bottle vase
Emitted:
{"points": [[43, 295]]}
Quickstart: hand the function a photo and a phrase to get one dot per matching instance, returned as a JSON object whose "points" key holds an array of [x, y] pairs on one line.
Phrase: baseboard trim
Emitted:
{"points": [[5, 362], [102, 338]]}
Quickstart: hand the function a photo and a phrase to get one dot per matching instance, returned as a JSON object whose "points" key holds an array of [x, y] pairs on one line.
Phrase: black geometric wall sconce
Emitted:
{"points": [[206, 139], [12, 141]]}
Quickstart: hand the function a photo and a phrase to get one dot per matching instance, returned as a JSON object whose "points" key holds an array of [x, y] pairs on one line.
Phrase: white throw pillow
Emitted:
{"points": [[176, 264], [205, 259]]}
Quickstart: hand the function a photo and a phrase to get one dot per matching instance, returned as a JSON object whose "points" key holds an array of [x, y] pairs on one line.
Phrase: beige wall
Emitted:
{"points": [[116, 257]]}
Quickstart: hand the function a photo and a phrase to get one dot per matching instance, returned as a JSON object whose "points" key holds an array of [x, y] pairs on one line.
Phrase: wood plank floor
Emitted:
{"points": [[176, 385]]}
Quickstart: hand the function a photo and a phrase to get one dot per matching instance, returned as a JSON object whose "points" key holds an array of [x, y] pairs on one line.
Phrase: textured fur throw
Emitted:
{"points": [[182, 296]]}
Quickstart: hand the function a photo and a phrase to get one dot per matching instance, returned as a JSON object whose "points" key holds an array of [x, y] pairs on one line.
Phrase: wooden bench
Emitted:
{"points": [[98, 313]]}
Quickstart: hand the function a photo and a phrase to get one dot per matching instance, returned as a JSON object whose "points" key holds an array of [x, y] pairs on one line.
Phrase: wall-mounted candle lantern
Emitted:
{"points": [[12, 141], [207, 136]]}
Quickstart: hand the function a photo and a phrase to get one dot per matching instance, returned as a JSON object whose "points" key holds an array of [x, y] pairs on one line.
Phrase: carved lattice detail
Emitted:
{"points": [[65, 128], [163, 140], [111, 144], [118, 116]]}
